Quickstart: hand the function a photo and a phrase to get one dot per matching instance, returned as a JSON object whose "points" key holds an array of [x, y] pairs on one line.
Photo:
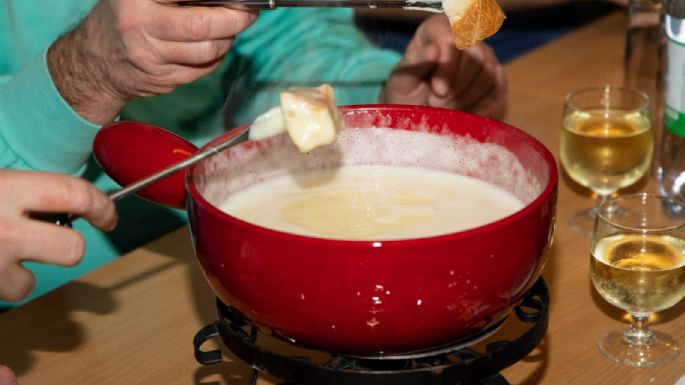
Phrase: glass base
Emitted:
{"points": [[660, 349], [583, 221]]}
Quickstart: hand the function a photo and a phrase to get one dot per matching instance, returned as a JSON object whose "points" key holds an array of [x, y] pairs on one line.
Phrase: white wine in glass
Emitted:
{"points": [[606, 142], [638, 264]]}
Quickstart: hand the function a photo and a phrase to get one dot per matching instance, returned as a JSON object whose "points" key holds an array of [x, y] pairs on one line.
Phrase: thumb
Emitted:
{"points": [[413, 70], [7, 376]]}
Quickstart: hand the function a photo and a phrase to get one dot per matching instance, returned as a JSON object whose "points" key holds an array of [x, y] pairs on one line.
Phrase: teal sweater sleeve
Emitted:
{"points": [[38, 129]]}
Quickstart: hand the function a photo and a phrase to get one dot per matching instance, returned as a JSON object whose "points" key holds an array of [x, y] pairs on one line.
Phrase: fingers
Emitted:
{"points": [[23, 238], [168, 76], [16, 282], [493, 103], [193, 53], [463, 79], [416, 64], [27, 239], [7, 377], [468, 80], [48, 192], [437, 31], [194, 24], [471, 64], [126, 49], [446, 71], [407, 84], [489, 85]]}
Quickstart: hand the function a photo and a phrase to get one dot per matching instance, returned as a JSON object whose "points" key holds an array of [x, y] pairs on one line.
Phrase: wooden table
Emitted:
{"points": [[132, 321]]}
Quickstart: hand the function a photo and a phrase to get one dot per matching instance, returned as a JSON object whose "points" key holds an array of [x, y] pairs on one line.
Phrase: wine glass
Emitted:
{"points": [[606, 142], [638, 264]]}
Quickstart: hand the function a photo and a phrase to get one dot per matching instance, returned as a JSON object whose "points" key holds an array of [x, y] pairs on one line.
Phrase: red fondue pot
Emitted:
{"points": [[373, 296]]}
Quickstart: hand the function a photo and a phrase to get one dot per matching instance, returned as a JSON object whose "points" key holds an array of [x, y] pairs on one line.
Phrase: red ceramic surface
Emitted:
{"points": [[130, 151], [388, 296]]}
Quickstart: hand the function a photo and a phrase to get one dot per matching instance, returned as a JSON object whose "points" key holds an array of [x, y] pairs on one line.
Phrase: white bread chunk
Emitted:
{"points": [[310, 116], [472, 20], [267, 124]]}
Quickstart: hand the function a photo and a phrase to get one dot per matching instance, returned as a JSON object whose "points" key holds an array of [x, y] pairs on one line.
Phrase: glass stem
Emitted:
{"points": [[598, 202], [639, 333]]}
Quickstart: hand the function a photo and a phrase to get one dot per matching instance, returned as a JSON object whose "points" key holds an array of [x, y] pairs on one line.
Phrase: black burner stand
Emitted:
{"points": [[460, 366]]}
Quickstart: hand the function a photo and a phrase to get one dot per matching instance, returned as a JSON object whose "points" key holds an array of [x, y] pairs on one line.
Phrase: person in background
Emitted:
{"points": [[122, 53], [433, 72]]}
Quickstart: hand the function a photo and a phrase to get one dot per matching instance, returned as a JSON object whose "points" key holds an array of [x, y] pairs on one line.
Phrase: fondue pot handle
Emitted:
{"points": [[205, 334], [149, 161], [132, 151]]}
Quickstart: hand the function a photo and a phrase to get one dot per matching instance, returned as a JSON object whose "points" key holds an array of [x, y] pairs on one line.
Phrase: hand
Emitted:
{"points": [[433, 72], [23, 239], [7, 376], [126, 49]]}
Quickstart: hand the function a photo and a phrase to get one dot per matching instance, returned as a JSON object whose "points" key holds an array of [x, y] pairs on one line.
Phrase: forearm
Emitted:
{"points": [[80, 74]]}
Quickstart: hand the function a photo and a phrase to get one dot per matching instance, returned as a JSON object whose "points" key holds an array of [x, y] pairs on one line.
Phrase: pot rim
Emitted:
{"points": [[193, 194]]}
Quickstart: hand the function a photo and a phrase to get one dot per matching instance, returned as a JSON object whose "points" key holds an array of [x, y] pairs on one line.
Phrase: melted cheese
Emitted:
{"points": [[372, 203], [311, 116]]}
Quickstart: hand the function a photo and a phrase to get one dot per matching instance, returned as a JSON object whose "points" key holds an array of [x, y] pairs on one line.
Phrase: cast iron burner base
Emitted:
{"points": [[454, 365]]}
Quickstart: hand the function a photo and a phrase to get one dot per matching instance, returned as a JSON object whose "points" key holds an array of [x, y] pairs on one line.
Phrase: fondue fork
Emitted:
{"points": [[424, 5], [64, 219]]}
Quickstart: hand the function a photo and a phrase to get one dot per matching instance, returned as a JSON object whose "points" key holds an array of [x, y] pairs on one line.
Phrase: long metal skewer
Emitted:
{"points": [[427, 5]]}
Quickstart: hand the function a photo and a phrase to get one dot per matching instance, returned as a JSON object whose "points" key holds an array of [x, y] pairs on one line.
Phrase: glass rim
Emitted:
{"points": [[607, 87], [642, 195]]}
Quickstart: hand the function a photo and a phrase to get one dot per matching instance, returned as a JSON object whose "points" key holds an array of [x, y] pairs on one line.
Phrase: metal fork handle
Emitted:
{"points": [[233, 4], [273, 4]]}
